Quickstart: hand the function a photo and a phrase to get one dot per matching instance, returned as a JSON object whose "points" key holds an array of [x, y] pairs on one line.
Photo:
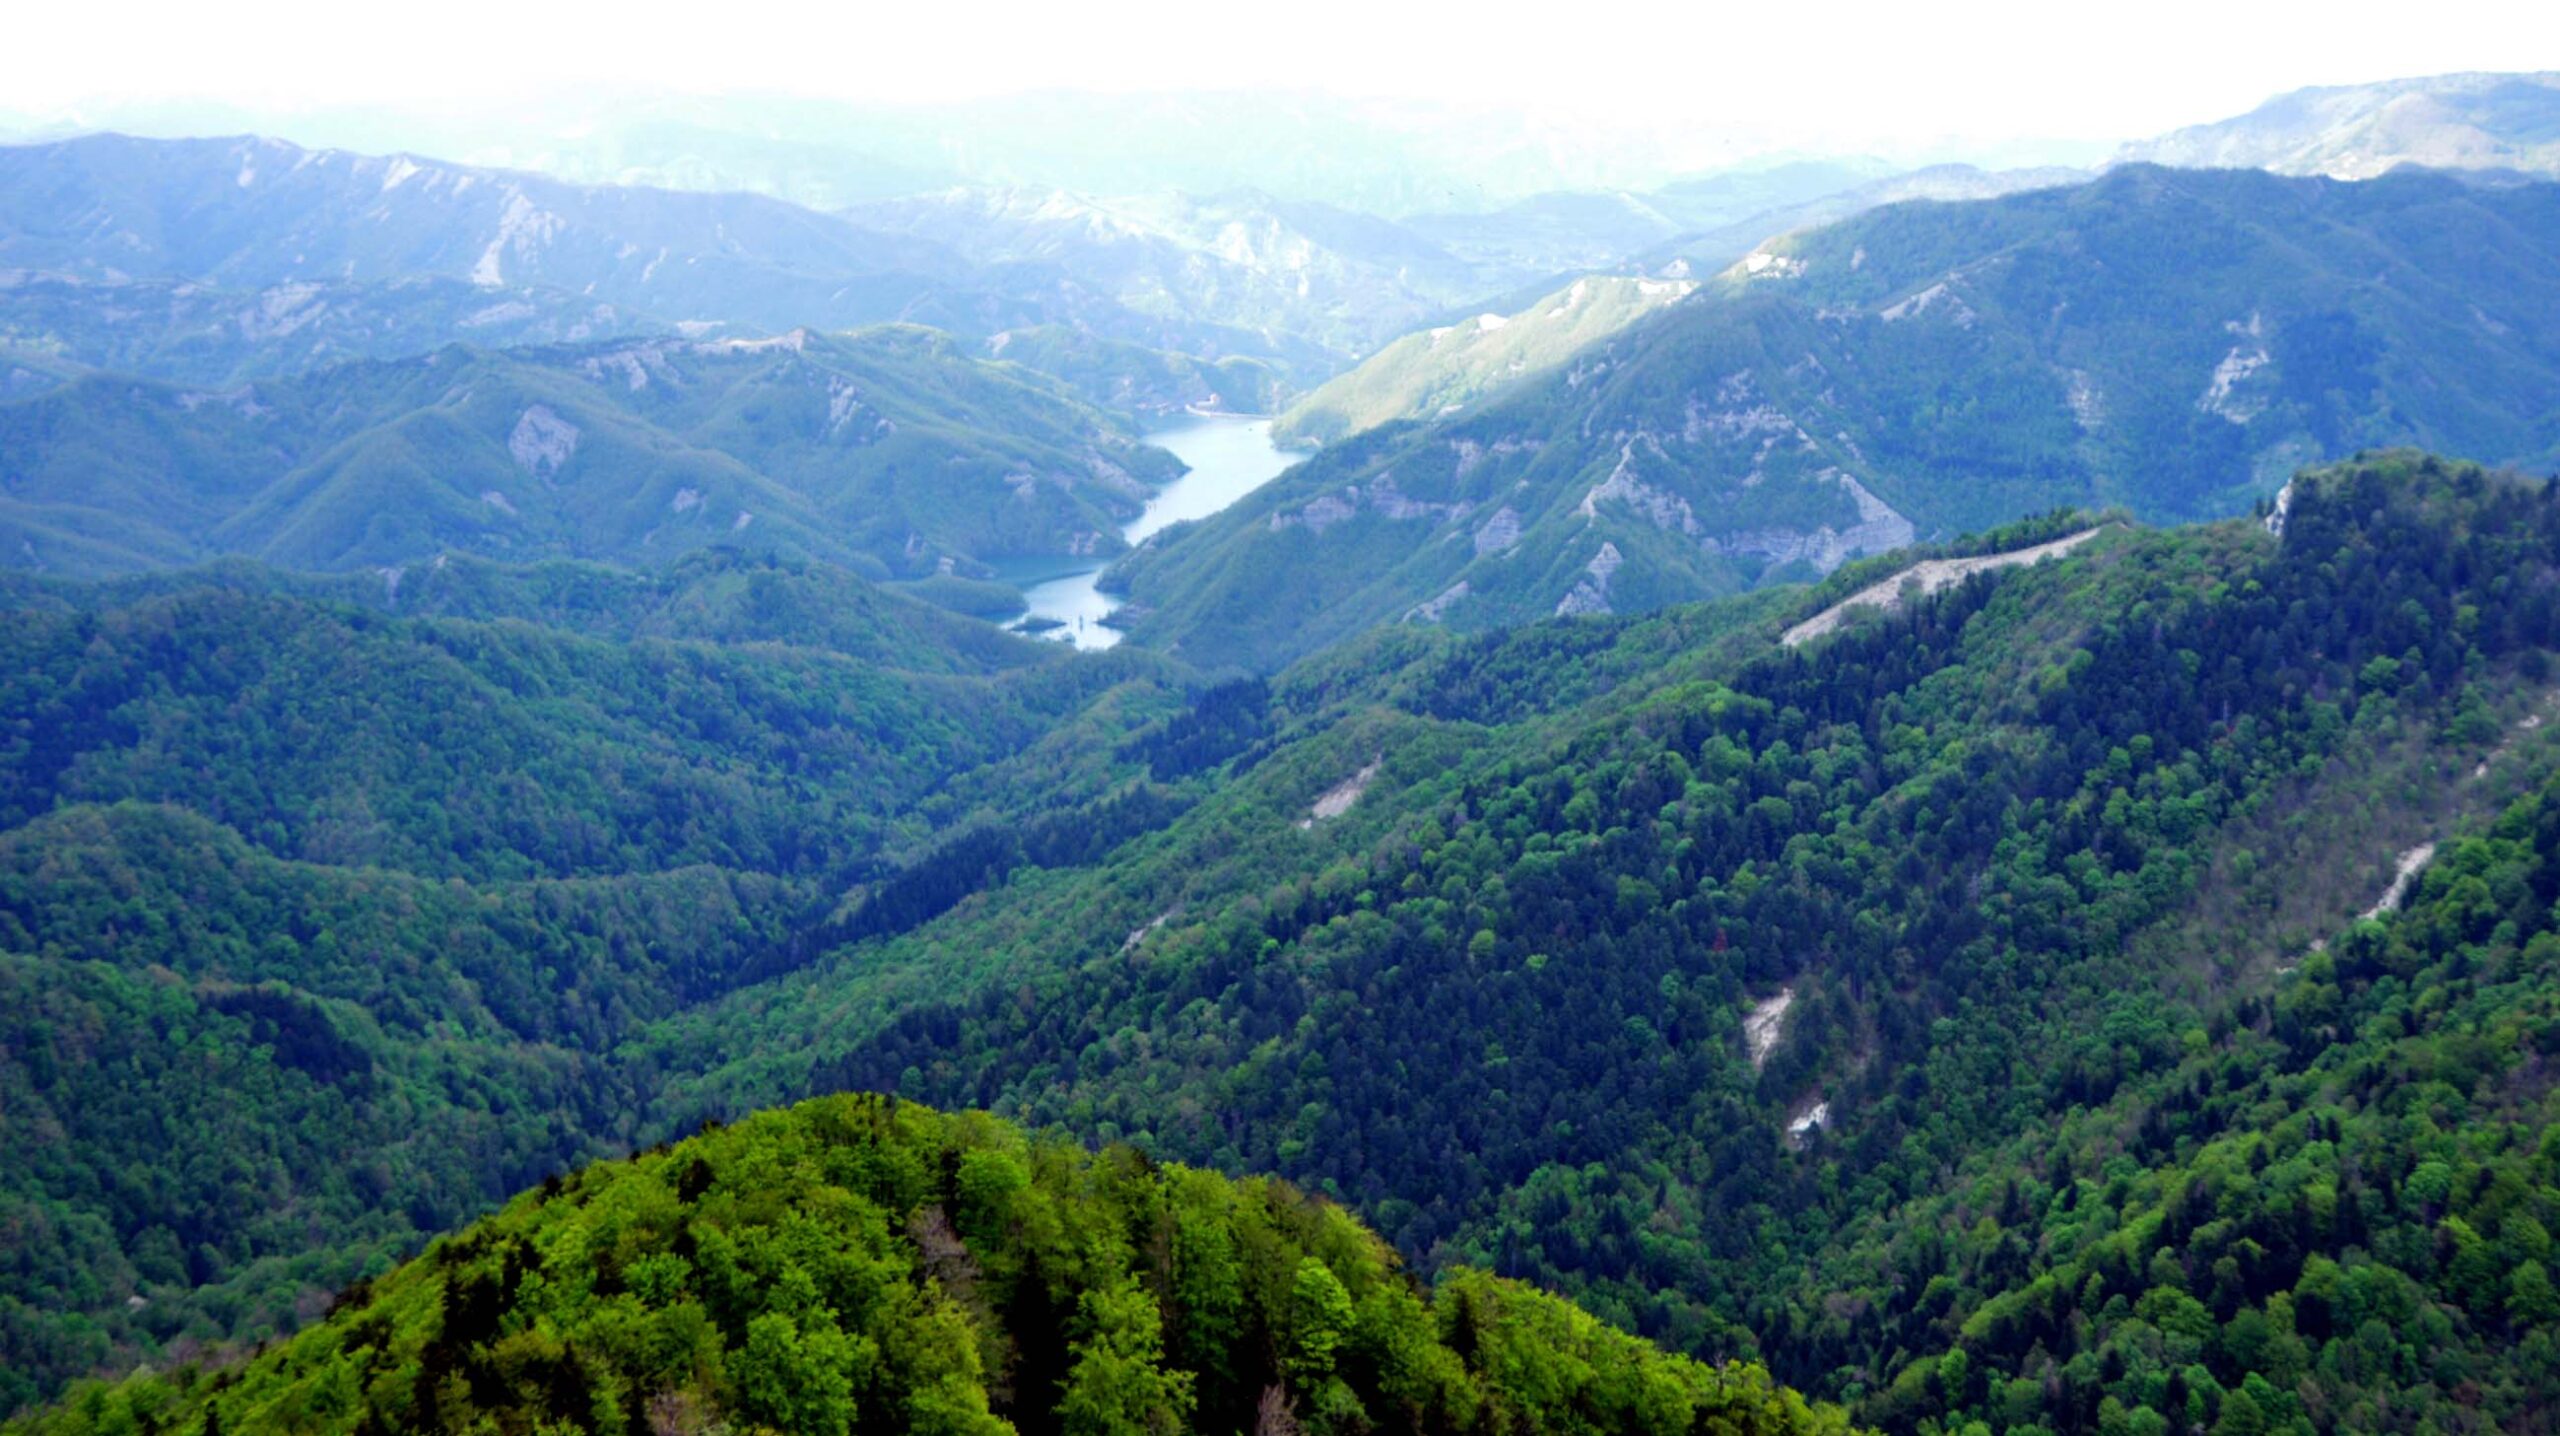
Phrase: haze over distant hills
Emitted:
{"points": [[1384, 157], [252, 215], [226, 259], [2481, 121], [1321, 280]]}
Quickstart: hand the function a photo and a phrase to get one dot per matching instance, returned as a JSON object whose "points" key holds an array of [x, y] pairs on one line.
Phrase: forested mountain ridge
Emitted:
{"points": [[397, 883], [2173, 341], [716, 595], [499, 748], [1469, 931], [857, 1263], [888, 449], [2014, 856]]}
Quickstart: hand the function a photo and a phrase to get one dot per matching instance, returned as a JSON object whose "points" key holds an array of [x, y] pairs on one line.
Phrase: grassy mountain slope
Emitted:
{"points": [[887, 448], [2174, 342], [859, 1264], [1699, 227], [1436, 372], [2472, 121]]}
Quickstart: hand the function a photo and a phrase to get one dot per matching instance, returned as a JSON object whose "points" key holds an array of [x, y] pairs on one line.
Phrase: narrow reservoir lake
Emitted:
{"points": [[1229, 459]]}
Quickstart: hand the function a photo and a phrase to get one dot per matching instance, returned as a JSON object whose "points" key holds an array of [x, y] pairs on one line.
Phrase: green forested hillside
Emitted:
{"points": [[499, 749], [2026, 859], [395, 887], [2327, 1210], [719, 595], [1884, 1007], [887, 449], [2175, 342], [863, 1264], [1935, 809]]}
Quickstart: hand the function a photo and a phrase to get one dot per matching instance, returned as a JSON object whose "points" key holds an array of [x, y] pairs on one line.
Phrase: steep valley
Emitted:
{"points": [[1583, 846], [1117, 764]]}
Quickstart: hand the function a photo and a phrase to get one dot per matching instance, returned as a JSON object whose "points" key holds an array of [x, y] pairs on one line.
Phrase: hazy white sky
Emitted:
{"points": [[1843, 75]]}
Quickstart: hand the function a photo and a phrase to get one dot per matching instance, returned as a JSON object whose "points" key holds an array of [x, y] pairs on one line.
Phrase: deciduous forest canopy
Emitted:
{"points": [[1840, 793]]}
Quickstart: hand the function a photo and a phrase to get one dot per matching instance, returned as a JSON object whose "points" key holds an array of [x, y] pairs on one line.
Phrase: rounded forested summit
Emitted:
{"points": [[857, 1263]]}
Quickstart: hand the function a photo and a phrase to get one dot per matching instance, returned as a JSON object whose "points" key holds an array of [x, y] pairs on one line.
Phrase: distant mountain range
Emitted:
{"points": [[1133, 379], [2175, 342], [1545, 235], [889, 450], [1319, 283], [1713, 247], [275, 257], [1515, 343], [213, 261], [1383, 157], [257, 215], [2472, 121], [54, 326]]}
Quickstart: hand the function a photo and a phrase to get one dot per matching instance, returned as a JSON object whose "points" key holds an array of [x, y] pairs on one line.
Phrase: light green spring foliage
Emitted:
{"points": [[1496, 1004], [857, 1264]]}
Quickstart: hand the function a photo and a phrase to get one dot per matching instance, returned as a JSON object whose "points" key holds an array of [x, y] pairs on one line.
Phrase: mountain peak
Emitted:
{"points": [[2469, 120]]}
